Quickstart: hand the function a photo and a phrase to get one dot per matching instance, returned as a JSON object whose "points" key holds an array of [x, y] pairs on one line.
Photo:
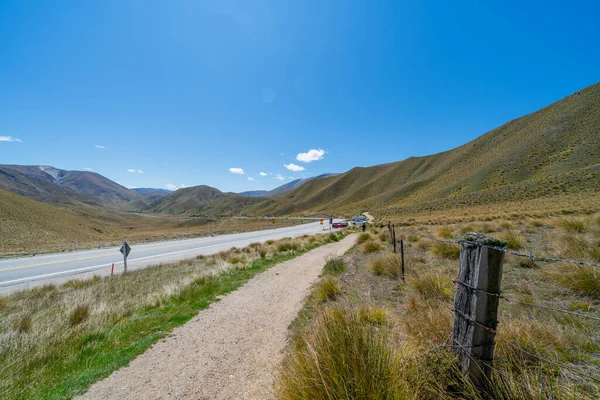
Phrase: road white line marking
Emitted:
{"points": [[73, 271]]}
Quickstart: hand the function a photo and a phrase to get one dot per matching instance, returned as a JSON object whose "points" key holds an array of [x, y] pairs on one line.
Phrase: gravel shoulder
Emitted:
{"points": [[230, 350]]}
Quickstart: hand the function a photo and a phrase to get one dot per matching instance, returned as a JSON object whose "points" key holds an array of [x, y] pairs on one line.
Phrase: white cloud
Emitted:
{"points": [[291, 177], [279, 177], [171, 186], [131, 170], [293, 167], [10, 139], [99, 147], [87, 169], [250, 178], [140, 171], [311, 155], [237, 171], [263, 174], [131, 187]]}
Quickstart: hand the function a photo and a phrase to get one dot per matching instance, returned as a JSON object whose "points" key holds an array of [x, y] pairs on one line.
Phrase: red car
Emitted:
{"points": [[339, 225]]}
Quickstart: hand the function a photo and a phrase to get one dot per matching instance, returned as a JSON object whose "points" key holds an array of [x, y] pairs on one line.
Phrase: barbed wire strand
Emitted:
{"points": [[556, 364], [530, 256], [524, 303], [487, 328]]}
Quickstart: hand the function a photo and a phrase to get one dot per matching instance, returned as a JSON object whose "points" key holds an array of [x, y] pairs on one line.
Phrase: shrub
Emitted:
{"points": [[255, 245], [334, 266], [370, 247], [332, 237], [327, 289], [234, 260], [363, 237], [3, 303], [79, 314], [270, 241], [446, 250], [263, 253], [22, 324]]}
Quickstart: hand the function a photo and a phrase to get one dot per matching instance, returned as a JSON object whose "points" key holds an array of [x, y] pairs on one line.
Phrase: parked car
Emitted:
{"points": [[340, 225]]}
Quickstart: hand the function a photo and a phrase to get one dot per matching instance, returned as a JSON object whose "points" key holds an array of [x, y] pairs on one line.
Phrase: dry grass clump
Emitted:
{"points": [[513, 240], [387, 264], [79, 314], [432, 286], [572, 225], [445, 232], [340, 356], [288, 246], [363, 237], [22, 323], [424, 244], [446, 250], [579, 247], [581, 279], [371, 247], [327, 289], [334, 266]]}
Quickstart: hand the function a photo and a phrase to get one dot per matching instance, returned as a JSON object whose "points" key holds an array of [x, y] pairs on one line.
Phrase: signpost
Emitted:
{"points": [[273, 221], [125, 249]]}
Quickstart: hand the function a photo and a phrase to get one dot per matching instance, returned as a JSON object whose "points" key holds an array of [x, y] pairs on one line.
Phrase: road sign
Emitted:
{"points": [[321, 222], [273, 220], [125, 249]]}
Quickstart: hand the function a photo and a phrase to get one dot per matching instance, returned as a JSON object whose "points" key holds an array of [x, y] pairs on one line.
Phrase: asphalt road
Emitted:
{"points": [[26, 272]]}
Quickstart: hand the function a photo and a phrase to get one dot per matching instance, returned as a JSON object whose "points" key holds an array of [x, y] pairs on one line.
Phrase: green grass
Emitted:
{"points": [[334, 266], [72, 362]]}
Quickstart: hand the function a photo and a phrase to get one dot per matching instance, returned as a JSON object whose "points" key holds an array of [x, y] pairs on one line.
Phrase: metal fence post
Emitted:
{"points": [[476, 305]]}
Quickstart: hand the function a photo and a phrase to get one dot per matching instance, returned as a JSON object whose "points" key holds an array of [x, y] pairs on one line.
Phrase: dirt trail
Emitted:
{"points": [[230, 350]]}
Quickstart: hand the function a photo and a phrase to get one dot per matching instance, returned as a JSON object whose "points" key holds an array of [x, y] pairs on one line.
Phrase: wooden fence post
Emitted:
{"points": [[394, 237], [402, 255], [476, 313]]}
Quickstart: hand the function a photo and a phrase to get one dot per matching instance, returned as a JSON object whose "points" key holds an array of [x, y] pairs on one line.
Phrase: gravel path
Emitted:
{"points": [[230, 350]]}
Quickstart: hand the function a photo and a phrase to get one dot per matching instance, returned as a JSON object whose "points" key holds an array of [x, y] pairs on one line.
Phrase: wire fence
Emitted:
{"points": [[530, 256], [569, 371]]}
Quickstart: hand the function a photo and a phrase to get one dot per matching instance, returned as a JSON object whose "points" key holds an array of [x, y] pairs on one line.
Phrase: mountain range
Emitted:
{"points": [[547, 154]]}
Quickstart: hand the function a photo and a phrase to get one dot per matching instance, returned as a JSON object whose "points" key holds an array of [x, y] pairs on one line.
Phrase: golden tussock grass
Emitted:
{"points": [[407, 320]]}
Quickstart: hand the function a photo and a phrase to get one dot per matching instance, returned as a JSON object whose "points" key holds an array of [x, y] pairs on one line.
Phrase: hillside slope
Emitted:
{"points": [[554, 151], [25, 222], [53, 185]]}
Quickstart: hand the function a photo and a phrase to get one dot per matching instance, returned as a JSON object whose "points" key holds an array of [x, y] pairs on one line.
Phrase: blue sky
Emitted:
{"points": [[186, 90]]}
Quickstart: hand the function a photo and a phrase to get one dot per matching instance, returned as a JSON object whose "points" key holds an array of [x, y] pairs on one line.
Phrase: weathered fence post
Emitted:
{"points": [[476, 305], [402, 256], [394, 237]]}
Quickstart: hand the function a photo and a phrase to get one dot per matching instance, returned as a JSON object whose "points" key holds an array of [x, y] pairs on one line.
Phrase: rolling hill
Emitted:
{"points": [[552, 152], [203, 201], [283, 188], [53, 185]]}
